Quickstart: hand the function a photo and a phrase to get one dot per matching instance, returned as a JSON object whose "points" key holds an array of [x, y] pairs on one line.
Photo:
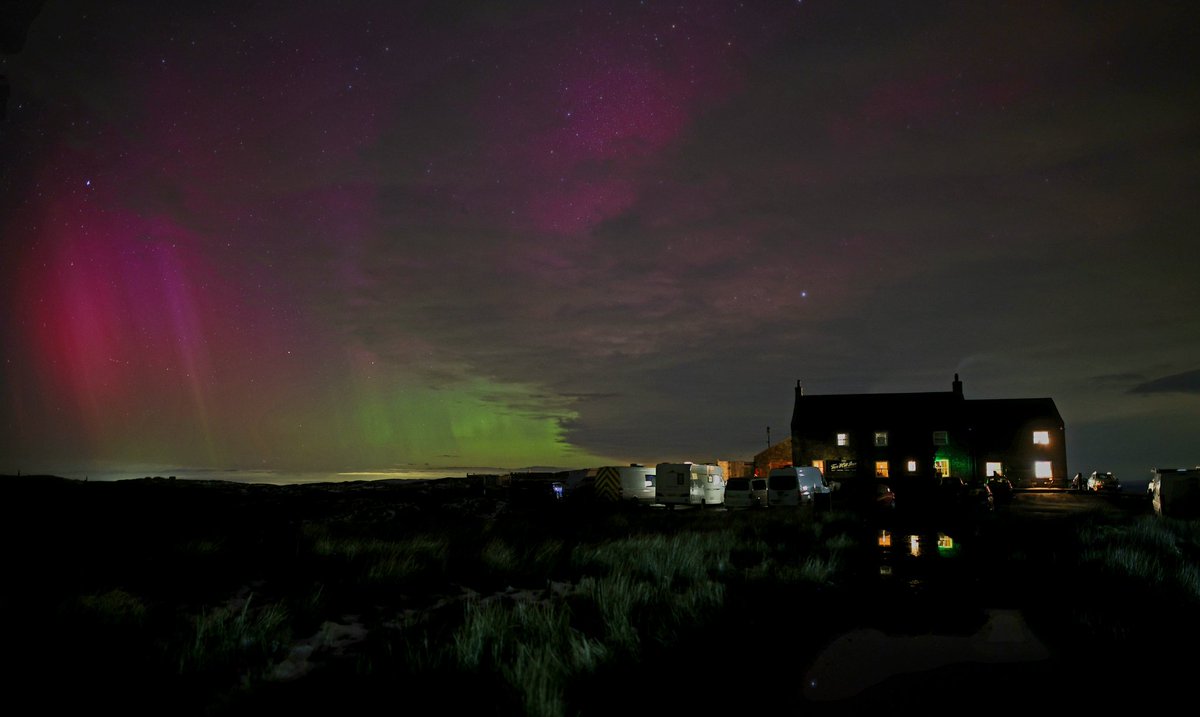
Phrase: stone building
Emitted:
{"points": [[776, 456], [899, 436]]}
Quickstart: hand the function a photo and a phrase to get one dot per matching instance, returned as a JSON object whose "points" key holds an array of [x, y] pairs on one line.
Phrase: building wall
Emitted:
{"points": [[737, 469], [776, 456], [975, 433], [1017, 453]]}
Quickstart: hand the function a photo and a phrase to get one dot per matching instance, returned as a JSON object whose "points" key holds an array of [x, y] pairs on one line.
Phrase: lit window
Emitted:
{"points": [[1042, 469], [885, 539], [881, 469], [993, 468], [942, 466], [819, 465], [945, 542], [1041, 438], [843, 439], [940, 438], [881, 438], [912, 466]]}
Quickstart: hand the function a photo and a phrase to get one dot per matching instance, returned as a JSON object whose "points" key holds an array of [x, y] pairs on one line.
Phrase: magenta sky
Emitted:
{"points": [[368, 235]]}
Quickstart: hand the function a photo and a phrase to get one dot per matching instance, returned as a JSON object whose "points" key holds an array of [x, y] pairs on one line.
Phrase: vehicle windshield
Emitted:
{"points": [[738, 484], [758, 484], [783, 482]]}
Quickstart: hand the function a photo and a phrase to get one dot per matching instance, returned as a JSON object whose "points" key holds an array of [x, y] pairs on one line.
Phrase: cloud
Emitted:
{"points": [[1186, 382]]}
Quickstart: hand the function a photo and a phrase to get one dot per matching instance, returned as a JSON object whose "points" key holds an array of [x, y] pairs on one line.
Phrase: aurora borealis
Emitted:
{"points": [[368, 235]]}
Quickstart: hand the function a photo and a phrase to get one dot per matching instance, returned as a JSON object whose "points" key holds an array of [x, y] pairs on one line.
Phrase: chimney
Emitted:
{"points": [[957, 386], [799, 389]]}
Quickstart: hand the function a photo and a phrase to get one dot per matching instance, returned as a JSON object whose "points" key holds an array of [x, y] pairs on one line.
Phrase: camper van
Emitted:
{"points": [[631, 482], [797, 485], [1175, 492], [689, 484]]}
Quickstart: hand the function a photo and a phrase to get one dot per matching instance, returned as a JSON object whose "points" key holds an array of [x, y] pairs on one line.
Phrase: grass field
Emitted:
{"points": [[210, 598]]}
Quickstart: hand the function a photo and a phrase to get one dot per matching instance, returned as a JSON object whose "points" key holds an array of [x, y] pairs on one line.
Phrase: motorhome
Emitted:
{"points": [[1175, 492], [631, 482], [689, 484], [797, 485]]}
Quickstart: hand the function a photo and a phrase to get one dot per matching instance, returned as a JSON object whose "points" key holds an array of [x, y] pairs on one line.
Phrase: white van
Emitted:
{"points": [[745, 493], [689, 484], [797, 485]]}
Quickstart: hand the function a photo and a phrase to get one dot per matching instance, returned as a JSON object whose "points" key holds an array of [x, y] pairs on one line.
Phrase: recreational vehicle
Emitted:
{"points": [[632, 482], [1175, 492], [689, 484]]}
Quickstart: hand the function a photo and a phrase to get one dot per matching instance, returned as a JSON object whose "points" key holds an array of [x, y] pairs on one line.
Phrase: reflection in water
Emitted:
{"points": [[945, 544]]}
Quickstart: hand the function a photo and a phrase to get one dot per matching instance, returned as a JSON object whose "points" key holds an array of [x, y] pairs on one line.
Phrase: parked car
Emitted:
{"points": [[745, 493], [797, 486], [1099, 482], [979, 495], [957, 494], [1045, 482], [1002, 488]]}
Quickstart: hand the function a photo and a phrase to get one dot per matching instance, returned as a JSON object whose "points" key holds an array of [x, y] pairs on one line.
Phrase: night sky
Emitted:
{"points": [[382, 235]]}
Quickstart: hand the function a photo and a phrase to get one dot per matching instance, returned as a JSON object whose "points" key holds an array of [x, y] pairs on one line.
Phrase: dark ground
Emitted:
{"points": [[60, 537]]}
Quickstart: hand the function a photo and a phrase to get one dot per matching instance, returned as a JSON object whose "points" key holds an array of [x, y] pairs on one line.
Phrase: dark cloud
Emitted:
{"points": [[1186, 382], [640, 223]]}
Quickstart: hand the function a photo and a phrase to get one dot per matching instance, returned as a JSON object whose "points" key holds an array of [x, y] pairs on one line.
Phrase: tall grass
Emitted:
{"points": [[1150, 552], [1139, 580], [502, 558], [669, 559], [227, 638], [114, 607], [532, 646], [387, 561]]}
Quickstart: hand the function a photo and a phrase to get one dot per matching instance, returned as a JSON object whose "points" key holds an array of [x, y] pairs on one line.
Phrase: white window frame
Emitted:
{"points": [[1041, 438], [843, 439], [881, 439], [1043, 469]]}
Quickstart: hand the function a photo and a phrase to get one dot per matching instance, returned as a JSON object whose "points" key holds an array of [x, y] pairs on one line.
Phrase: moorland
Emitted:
{"points": [[208, 597]]}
